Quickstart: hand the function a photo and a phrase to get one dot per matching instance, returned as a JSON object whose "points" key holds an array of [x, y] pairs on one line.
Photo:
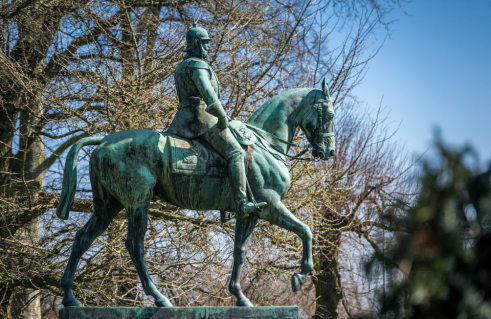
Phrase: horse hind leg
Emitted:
{"points": [[104, 213], [137, 227]]}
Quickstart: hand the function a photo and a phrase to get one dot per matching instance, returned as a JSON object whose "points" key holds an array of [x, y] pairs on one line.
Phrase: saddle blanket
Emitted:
{"points": [[196, 157]]}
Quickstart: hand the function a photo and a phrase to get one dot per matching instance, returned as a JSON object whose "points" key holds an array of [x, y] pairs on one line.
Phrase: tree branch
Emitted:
{"points": [[46, 164]]}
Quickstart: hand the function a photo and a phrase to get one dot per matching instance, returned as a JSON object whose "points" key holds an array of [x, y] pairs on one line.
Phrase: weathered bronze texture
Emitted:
{"points": [[130, 168]]}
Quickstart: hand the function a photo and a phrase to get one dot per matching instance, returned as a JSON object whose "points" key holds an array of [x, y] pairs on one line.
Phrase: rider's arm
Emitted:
{"points": [[207, 93]]}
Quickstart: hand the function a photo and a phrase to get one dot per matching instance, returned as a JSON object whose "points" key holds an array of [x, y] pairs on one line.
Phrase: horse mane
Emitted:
{"points": [[280, 99]]}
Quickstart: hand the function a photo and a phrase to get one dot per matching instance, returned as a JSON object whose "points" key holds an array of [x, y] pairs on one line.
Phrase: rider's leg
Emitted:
{"points": [[224, 142]]}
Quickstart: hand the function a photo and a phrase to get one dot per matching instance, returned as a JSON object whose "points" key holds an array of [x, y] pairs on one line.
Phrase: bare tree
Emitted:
{"points": [[71, 69]]}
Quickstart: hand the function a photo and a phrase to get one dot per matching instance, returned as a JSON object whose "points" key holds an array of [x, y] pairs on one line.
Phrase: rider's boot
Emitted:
{"points": [[245, 208], [238, 180]]}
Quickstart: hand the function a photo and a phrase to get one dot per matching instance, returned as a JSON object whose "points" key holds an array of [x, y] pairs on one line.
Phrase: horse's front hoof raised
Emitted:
{"points": [[297, 280]]}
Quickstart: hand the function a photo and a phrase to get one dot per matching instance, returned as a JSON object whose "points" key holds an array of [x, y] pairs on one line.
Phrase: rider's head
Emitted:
{"points": [[197, 42]]}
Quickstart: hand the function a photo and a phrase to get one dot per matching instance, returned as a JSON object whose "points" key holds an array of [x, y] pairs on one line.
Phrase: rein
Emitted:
{"points": [[306, 147]]}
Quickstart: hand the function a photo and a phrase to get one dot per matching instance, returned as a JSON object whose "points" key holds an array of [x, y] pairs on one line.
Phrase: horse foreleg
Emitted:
{"points": [[280, 216], [96, 225], [243, 231], [137, 227]]}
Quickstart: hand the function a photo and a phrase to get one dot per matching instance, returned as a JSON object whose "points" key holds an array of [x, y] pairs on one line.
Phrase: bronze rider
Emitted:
{"points": [[200, 114]]}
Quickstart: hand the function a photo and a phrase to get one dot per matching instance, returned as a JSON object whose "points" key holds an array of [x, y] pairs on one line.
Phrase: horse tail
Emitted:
{"points": [[70, 176]]}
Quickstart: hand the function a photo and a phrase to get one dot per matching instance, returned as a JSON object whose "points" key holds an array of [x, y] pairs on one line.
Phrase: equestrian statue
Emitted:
{"points": [[202, 162]]}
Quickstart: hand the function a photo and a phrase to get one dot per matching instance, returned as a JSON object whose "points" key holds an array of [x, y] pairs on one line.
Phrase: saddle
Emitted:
{"points": [[196, 157]]}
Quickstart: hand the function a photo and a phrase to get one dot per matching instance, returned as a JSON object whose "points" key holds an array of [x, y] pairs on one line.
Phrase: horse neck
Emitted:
{"points": [[282, 114]]}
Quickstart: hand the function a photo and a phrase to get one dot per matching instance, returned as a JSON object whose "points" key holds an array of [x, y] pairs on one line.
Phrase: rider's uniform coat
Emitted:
{"points": [[191, 119]]}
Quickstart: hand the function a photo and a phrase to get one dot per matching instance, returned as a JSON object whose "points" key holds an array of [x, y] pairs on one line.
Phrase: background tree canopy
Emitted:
{"points": [[71, 69]]}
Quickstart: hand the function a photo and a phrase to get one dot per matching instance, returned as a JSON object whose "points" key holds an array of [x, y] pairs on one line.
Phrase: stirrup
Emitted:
{"points": [[245, 208]]}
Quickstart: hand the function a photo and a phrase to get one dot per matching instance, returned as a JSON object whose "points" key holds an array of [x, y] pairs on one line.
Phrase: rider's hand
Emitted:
{"points": [[222, 123]]}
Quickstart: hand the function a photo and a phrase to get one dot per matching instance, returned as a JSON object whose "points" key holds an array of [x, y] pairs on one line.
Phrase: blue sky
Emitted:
{"points": [[435, 71]]}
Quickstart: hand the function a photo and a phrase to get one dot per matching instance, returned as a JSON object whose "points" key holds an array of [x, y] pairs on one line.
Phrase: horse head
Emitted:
{"points": [[318, 123]]}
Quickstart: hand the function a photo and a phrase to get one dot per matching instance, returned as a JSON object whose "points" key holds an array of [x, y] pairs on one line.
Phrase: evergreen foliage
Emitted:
{"points": [[442, 252]]}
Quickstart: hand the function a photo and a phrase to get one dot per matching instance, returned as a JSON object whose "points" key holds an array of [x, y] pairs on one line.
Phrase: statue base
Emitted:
{"points": [[179, 313]]}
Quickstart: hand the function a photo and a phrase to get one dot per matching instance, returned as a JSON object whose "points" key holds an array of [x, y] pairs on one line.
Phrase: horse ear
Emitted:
{"points": [[325, 89]]}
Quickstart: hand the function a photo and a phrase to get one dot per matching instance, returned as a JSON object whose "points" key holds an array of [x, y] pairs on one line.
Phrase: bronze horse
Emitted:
{"points": [[130, 168]]}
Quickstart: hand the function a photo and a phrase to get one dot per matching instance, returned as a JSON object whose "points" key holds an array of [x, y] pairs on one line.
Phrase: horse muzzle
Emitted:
{"points": [[322, 152]]}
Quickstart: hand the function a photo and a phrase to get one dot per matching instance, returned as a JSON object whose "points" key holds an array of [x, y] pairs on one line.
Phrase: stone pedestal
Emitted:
{"points": [[180, 313]]}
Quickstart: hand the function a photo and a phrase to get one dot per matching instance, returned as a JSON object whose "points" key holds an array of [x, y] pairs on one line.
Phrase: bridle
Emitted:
{"points": [[320, 133]]}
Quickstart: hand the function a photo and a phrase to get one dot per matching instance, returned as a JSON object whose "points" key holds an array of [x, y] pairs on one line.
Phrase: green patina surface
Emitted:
{"points": [[129, 169], [180, 313], [199, 164]]}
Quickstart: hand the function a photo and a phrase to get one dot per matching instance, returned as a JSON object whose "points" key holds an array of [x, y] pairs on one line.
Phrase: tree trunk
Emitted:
{"points": [[327, 281], [27, 303]]}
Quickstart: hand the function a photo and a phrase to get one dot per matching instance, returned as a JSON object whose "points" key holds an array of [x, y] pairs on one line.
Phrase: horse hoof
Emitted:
{"points": [[297, 280], [163, 303], [261, 206], [244, 302], [70, 302]]}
